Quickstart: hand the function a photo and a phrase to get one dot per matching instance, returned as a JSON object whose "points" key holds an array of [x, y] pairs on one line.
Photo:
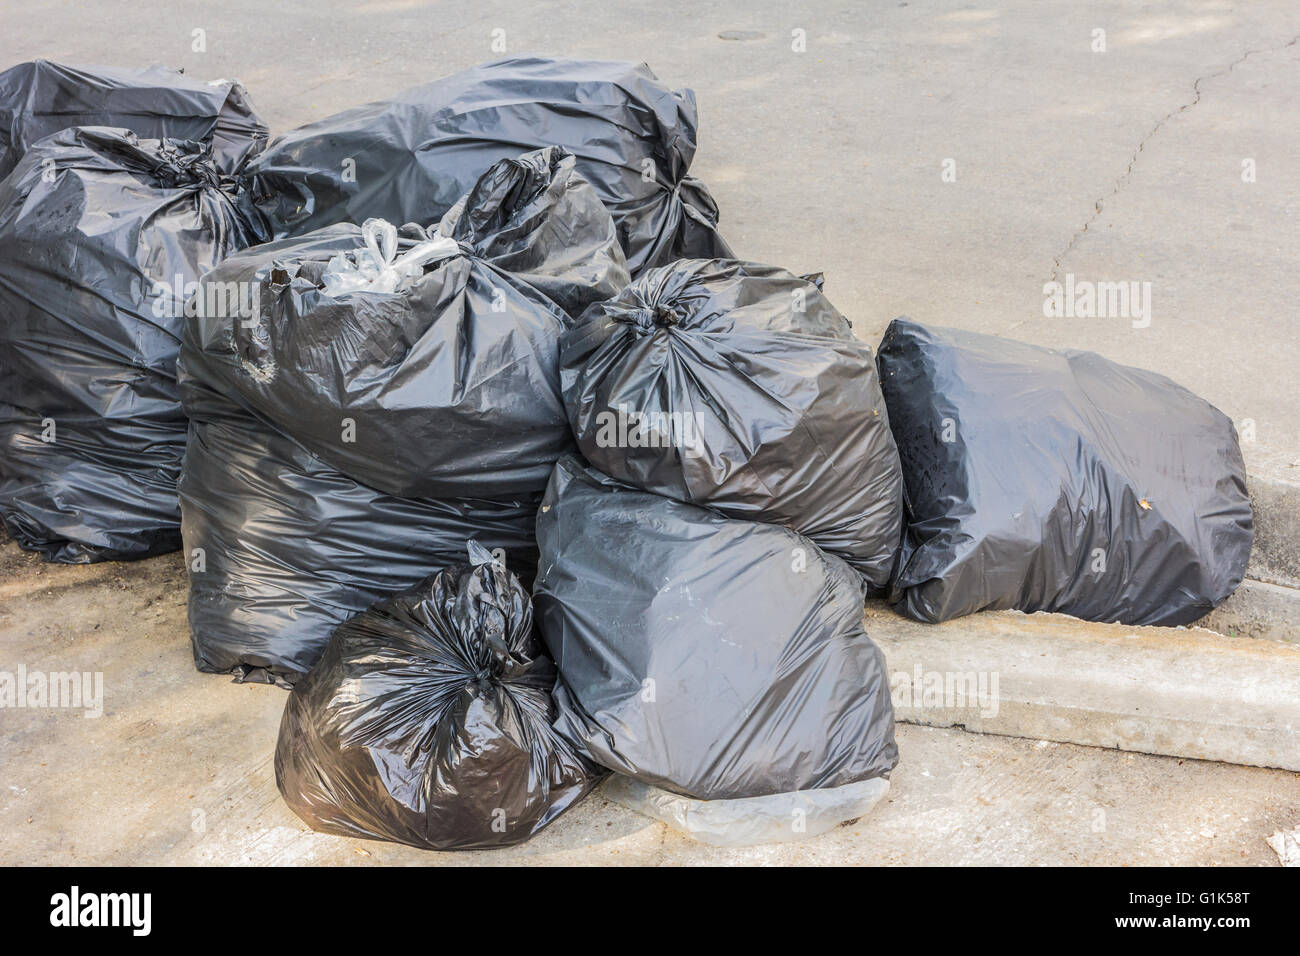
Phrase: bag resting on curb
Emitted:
{"points": [[1046, 480]]}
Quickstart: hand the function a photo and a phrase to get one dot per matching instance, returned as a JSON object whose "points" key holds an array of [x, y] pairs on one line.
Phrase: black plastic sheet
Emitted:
{"points": [[740, 387], [410, 158], [1048, 480], [715, 658], [101, 236], [42, 97], [428, 721]]}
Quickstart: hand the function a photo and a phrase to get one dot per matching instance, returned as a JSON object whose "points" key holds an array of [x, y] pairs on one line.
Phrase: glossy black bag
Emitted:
{"points": [[410, 158], [428, 721], [423, 362], [713, 658], [378, 408], [1046, 480], [282, 548], [42, 97], [102, 235], [739, 387]]}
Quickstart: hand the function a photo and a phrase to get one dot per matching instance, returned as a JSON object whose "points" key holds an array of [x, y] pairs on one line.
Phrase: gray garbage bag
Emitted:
{"points": [[739, 387], [428, 721], [42, 97], [102, 236], [713, 658], [408, 159], [1046, 480]]}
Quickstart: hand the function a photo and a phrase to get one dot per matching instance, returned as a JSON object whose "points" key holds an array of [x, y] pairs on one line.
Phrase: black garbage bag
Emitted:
{"points": [[740, 387], [41, 97], [281, 548], [443, 382], [1046, 480], [389, 398], [713, 658], [410, 158], [428, 721], [101, 236]]}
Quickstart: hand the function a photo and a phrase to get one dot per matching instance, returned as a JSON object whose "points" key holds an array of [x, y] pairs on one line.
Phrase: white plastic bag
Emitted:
{"points": [[377, 267], [778, 818]]}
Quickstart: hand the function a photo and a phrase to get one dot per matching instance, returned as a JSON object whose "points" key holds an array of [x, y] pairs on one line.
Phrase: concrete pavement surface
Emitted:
{"points": [[940, 159], [177, 769]]}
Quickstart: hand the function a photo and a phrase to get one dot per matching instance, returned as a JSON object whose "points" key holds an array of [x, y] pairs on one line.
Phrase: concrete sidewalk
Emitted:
{"points": [[178, 770]]}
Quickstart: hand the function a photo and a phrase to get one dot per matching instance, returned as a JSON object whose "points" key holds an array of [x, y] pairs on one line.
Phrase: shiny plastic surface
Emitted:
{"points": [[101, 236], [282, 548], [448, 386], [428, 721], [740, 387], [1047, 480], [42, 97], [410, 158], [711, 657]]}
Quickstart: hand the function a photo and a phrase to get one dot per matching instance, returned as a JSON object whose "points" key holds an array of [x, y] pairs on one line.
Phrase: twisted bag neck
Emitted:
{"points": [[654, 315], [173, 164]]}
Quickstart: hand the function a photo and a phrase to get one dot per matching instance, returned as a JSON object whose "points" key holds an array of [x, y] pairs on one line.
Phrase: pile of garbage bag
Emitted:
{"points": [[390, 394], [42, 97], [408, 159], [102, 235], [739, 387], [384, 376], [1046, 480], [428, 720]]}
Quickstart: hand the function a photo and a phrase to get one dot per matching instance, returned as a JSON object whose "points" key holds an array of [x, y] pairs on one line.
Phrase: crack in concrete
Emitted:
{"points": [[1122, 181]]}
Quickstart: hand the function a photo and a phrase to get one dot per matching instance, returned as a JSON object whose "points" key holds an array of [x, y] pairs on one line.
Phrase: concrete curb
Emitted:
{"points": [[1172, 691], [1258, 609], [1275, 558], [1267, 603]]}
